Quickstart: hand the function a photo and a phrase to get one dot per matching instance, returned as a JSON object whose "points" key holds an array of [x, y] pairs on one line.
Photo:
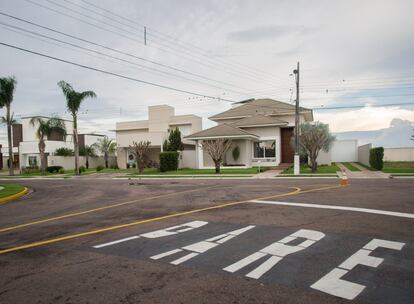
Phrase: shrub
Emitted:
{"points": [[53, 169], [82, 169], [61, 171], [99, 168], [115, 167], [376, 156], [64, 152], [168, 161], [29, 170]]}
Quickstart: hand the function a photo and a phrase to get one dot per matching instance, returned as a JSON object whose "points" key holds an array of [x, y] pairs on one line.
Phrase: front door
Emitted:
{"points": [[287, 149]]}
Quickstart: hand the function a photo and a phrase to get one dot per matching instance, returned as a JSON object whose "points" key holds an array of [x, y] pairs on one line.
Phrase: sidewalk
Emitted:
{"points": [[364, 173]]}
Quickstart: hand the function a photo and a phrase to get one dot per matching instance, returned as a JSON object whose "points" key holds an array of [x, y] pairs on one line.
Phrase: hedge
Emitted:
{"points": [[53, 169], [169, 161], [376, 156]]}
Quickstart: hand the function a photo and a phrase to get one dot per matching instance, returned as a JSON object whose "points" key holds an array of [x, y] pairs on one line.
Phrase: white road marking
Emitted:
{"points": [[356, 209], [203, 246], [277, 251], [160, 256], [116, 242], [332, 283], [159, 233]]}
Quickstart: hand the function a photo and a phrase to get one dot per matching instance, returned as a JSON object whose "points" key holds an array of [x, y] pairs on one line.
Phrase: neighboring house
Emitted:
{"points": [[161, 120], [25, 143], [261, 128]]}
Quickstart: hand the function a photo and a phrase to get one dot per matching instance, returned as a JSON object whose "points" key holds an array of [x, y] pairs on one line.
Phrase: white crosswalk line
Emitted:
{"points": [[161, 255], [116, 242]]}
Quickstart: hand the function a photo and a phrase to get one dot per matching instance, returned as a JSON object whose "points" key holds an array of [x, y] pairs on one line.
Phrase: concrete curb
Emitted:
{"points": [[14, 196]]}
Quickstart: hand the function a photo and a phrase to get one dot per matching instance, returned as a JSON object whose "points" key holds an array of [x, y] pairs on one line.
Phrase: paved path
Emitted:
{"points": [[364, 173]]}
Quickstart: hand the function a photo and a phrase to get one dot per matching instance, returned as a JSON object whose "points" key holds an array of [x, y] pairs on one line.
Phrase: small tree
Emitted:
{"points": [[45, 128], [174, 142], [87, 151], [140, 149], [236, 153], [216, 148], [313, 138], [107, 147]]}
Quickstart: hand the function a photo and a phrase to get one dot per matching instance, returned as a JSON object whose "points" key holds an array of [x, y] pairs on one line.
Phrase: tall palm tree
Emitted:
{"points": [[87, 151], [45, 128], [73, 102], [7, 87], [106, 146]]}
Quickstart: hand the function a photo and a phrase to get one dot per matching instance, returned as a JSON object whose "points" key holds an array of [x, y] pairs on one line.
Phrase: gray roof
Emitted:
{"points": [[258, 120], [259, 106], [222, 130]]}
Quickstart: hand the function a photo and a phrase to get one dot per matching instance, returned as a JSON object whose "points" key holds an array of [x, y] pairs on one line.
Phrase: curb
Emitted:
{"points": [[14, 196]]}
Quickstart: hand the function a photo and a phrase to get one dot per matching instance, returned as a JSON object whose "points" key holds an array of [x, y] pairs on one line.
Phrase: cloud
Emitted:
{"points": [[264, 32], [368, 118]]}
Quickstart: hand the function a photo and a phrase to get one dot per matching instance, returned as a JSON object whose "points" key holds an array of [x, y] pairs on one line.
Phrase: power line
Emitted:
{"points": [[112, 49], [178, 53], [363, 106], [111, 73], [110, 56]]}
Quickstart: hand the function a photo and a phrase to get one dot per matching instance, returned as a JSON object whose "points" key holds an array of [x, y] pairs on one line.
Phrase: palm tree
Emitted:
{"points": [[87, 151], [45, 128], [73, 102], [106, 146], [7, 87]]}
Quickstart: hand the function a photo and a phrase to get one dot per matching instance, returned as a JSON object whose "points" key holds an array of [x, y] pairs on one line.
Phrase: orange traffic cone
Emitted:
{"points": [[344, 179]]}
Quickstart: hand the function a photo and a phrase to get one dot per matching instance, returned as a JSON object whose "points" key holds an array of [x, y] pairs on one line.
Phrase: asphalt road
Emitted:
{"points": [[210, 241]]}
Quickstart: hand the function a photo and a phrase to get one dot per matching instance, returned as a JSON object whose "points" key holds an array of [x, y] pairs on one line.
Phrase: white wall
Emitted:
{"points": [[187, 159], [363, 154], [68, 162], [399, 154], [344, 151]]}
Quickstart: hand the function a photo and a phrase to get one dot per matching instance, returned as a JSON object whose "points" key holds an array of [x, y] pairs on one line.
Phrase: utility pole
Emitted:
{"points": [[145, 35], [296, 161]]}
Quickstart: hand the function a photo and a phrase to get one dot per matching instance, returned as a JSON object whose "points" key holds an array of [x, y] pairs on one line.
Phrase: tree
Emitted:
{"points": [[216, 148], [313, 138], [87, 151], [107, 147], [174, 142], [7, 87], [73, 102], [140, 149], [64, 152], [45, 128]]}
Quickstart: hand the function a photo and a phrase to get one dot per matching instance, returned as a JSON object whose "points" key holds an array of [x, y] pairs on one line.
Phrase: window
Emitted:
{"points": [[32, 161], [265, 149]]}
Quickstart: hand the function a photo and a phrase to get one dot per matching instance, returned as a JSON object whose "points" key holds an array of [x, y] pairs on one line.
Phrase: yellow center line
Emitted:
{"points": [[78, 235]]}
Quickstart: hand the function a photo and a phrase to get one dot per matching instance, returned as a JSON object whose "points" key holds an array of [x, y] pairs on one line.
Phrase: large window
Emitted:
{"points": [[265, 149]]}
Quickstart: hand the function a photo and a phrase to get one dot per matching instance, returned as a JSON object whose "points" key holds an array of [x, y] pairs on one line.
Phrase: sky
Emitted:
{"points": [[351, 53]]}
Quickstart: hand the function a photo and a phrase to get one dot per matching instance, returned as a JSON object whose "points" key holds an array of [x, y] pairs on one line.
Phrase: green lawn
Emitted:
{"points": [[322, 169], [154, 171], [10, 189], [398, 167], [350, 167]]}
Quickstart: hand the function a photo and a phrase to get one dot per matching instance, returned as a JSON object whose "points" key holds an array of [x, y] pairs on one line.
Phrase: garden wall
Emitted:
{"points": [[363, 154], [68, 162], [399, 154]]}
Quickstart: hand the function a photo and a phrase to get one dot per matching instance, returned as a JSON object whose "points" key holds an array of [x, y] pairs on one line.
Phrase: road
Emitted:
{"points": [[208, 241]]}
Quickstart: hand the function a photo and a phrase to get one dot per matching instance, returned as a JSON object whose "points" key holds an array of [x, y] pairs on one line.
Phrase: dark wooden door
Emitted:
{"points": [[287, 149]]}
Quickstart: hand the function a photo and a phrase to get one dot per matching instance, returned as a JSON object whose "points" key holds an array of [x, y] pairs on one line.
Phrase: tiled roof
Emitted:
{"points": [[222, 130], [259, 106], [259, 120]]}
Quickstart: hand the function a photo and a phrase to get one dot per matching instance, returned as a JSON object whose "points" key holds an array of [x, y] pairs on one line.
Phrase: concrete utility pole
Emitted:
{"points": [[296, 161]]}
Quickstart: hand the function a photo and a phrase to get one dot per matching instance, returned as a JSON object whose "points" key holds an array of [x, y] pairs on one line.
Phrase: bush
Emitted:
{"points": [[64, 152], [61, 171], [114, 167], [30, 170], [168, 161], [376, 158], [82, 169], [99, 168], [53, 169]]}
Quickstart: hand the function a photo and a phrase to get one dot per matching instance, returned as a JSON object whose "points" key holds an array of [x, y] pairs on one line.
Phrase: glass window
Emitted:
{"points": [[265, 149]]}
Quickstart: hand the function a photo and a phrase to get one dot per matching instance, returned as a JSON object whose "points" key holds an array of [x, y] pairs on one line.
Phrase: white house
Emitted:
{"points": [[161, 120]]}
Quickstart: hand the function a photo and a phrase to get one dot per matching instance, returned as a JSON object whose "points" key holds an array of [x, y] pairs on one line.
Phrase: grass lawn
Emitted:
{"points": [[10, 189], [350, 167], [154, 171], [398, 167], [322, 169]]}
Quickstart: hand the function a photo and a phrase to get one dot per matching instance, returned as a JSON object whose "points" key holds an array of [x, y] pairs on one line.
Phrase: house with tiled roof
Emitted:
{"points": [[261, 129]]}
